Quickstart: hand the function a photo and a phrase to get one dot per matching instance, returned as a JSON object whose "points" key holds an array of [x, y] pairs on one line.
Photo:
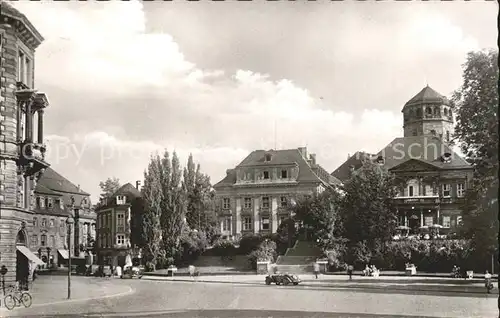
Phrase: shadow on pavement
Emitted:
{"points": [[231, 313]]}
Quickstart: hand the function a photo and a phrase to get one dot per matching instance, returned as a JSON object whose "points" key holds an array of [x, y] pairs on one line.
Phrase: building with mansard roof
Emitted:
{"points": [[432, 178], [253, 197]]}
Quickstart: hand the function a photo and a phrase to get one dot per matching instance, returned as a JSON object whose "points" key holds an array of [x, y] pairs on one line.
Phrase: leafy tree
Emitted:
{"points": [[320, 213], [199, 193], [367, 209], [477, 133], [150, 221], [173, 204], [108, 187]]}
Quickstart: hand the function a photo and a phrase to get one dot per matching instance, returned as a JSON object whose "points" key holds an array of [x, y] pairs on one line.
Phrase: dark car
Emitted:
{"points": [[282, 279]]}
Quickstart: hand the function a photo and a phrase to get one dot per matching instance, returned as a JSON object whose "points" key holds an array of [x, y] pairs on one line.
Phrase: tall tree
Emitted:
{"points": [[150, 221], [476, 132], [109, 186], [173, 204], [198, 192], [321, 213], [367, 206]]}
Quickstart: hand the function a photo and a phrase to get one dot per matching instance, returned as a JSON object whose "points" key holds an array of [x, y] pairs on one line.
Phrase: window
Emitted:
{"points": [[43, 240], [120, 222], [225, 203], [44, 222], [410, 191], [46, 202], [57, 203], [38, 202], [284, 174], [433, 132], [120, 239], [61, 225], [247, 223], [49, 205], [265, 223], [460, 190], [265, 202], [429, 220], [446, 221], [53, 241], [34, 240], [35, 222], [459, 220], [21, 67], [121, 199], [265, 174], [247, 203], [414, 132], [51, 223], [428, 190], [446, 190], [283, 202], [226, 225], [267, 158]]}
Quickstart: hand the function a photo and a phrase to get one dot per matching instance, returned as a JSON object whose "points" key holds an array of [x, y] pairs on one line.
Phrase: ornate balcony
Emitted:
{"points": [[32, 155], [417, 200]]}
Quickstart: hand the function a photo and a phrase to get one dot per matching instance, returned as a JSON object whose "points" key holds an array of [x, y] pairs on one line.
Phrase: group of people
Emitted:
{"points": [[371, 270]]}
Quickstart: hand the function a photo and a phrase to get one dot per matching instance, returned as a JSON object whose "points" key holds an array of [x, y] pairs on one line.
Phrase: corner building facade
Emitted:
{"points": [[431, 177], [254, 196], [22, 153]]}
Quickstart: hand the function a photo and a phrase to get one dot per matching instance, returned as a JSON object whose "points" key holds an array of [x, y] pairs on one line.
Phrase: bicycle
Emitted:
{"points": [[16, 297]]}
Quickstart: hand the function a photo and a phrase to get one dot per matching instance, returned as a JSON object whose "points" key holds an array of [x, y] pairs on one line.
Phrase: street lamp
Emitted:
{"points": [[69, 223]]}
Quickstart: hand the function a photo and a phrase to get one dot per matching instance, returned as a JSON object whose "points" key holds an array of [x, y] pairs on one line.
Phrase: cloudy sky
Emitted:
{"points": [[218, 79]]}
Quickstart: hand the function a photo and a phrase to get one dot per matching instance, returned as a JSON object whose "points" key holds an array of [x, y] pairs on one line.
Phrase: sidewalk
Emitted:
{"points": [[51, 290], [337, 281]]}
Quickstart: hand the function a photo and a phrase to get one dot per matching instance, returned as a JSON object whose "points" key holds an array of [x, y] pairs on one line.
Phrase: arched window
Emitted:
{"points": [[21, 238], [412, 188], [437, 112], [448, 136], [428, 111], [445, 112]]}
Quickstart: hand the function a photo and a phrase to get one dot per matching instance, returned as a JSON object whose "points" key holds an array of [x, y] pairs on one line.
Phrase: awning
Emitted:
{"points": [[30, 255], [64, 253]]}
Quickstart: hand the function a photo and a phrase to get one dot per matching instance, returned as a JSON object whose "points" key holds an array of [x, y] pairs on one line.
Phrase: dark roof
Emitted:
{"points": [[428, 149], [278, 157], [127, 190], [343, 172], [54, 181], [427, 95], [7, 9], [40, 188]]}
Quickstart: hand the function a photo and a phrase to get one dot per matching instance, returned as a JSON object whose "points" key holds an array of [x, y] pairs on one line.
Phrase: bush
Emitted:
{"points": [[265, 252], [249, 243], [192, 245], [224, 248]]}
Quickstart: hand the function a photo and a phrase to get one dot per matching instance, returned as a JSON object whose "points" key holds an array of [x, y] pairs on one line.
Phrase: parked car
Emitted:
{"points": [[132, 272], [282, 279]]}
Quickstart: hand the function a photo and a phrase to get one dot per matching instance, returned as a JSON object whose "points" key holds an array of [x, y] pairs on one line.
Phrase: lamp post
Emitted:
{"points": [[69, 222]]}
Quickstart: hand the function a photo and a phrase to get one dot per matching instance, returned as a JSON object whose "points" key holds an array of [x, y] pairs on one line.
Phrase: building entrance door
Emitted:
{"points": [[414, 223], [22, 262]]}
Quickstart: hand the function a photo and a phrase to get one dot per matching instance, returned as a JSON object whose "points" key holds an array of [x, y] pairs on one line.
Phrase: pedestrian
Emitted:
{"points": [[350, 269], [316, 269], [191, 270]]}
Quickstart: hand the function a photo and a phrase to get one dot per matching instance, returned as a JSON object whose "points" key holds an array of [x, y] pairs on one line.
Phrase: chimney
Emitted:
{"points": [[137, 184], [348, 156], [78, 188], [313, 158], [303, 151], [228, 171]]}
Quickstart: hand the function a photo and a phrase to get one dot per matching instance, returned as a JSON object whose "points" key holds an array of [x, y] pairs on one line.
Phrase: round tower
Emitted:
{"points": [[428, 114]]}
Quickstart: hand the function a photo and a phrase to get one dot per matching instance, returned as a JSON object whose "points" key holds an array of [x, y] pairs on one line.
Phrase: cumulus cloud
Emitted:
{"points": [[120, 91]]}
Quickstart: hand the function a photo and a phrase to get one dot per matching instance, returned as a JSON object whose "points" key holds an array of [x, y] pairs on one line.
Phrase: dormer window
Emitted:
{"points": [[265, 174], [267, 157], [380, 160], [446, 157], [284, 174], [121, 199]]}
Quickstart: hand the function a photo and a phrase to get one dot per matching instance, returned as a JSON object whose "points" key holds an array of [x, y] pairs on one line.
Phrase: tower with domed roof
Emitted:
{"points": [[428, 114]]}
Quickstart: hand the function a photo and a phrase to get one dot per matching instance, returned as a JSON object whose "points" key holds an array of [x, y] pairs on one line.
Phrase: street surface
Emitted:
{"points": [[163, 298]]}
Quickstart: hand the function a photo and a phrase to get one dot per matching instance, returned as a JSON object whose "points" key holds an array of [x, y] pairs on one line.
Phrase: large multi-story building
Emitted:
{"points": [[432, 178], [254, 197], [113, 228], [22, 153], [57, 199]]}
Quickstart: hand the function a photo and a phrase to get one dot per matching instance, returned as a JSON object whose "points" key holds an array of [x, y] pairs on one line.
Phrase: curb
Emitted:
{"points": [[346, 285]]}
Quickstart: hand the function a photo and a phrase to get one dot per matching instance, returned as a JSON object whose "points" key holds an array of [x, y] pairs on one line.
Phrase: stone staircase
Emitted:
{"points": [[299, 259]]}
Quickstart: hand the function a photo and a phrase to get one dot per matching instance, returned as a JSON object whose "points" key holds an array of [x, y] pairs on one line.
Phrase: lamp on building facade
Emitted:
{"points": [[69, 223]]}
